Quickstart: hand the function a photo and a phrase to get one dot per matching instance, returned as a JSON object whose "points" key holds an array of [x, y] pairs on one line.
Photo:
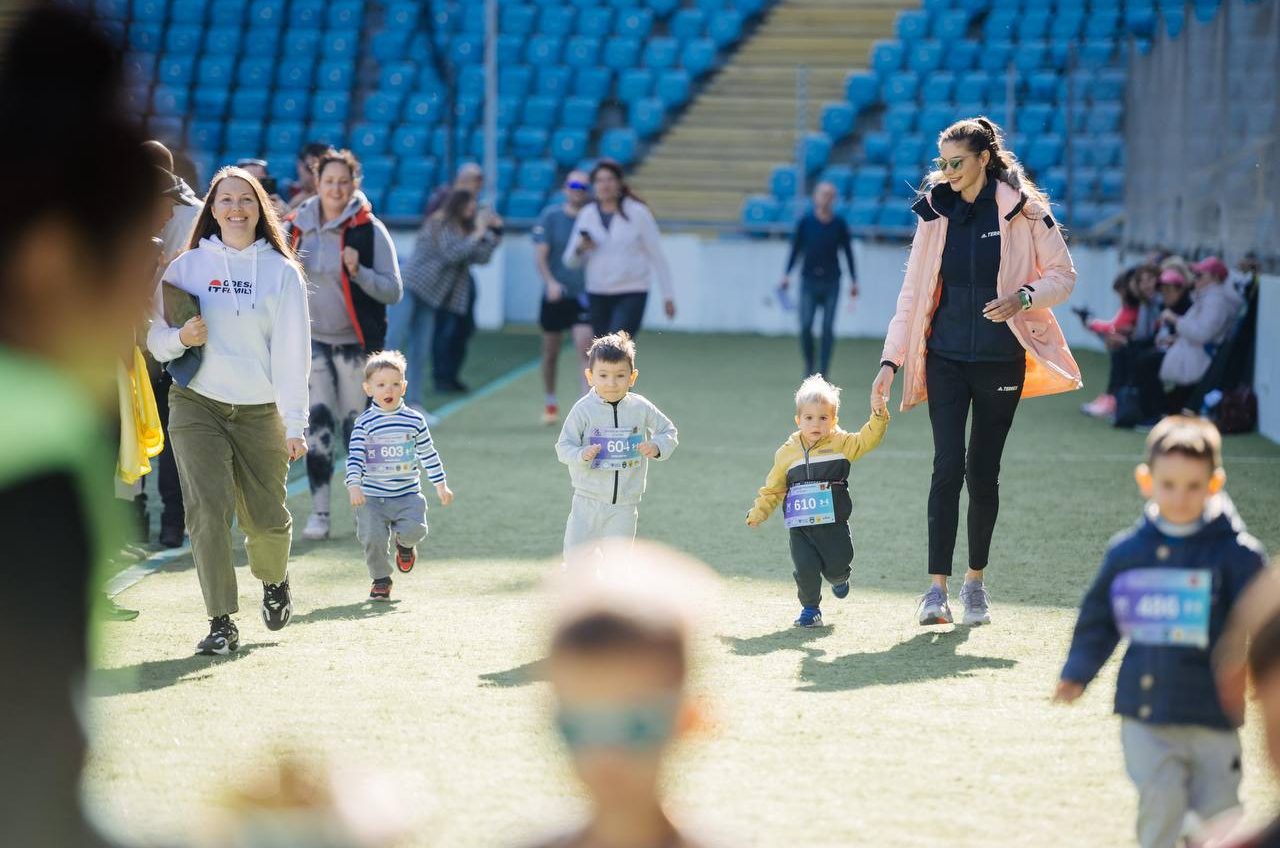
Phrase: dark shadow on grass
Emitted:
{"points": [[515, 586], [160, 674], [928, 656], [788, 639], [360, 609], [523, 675]]}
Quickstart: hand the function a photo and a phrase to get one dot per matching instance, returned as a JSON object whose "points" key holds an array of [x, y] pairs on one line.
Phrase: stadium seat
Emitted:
{"points": [[145, 37], [934, 119], [840, 176], [515, 81], [397, 78], [620, 53], [595, 22], [1044, 153], [1109, 84], [620, 145], [421, 108], [544, 50], [634, 22], [664, 8], [925, 56], [525, 205], [263, 13], [950, 26], [887, 57], [725, 28], [1030, 57], [205, 135], [1107, 150], [289, 105], [370, 139], [390, 45], [688, 24], [335, 76], [556, 20], [909, 151], [903, 180], [327, 132], [405, 202], [1042, 87], [170, 102], [226, 41], [837, 120], [1034, 118], [509, 110], [876, 147], [647, 117], [698, 56], [900, 118], [210, 102], [1066, 27], [995, 56], [660, 53], [568, 146], [468, 111], [862, 212], [416, 171], [582, 52], [188, 12], [580, 113], [960, 56], [1053, 182], [553, 82], [937, 87], [1033, 25], [536, 175], [308, 14], [227, 12], [476, 146], [861, 89], [466, 50], [634, 84], [285, 135], [674, 88], [782, 182], [250, 102], [541, 112], [471, 83], [528, 142], [816, 150], [900, 87], [244, 135], [912, 25], [295, 73], [175, 70], [759, 209], [868, 181], [182, 40], [301, 43], [1096, 54], [410, 141], [516, 20], [375, 175], [593, 83], [330, 106], [1104, 118]]}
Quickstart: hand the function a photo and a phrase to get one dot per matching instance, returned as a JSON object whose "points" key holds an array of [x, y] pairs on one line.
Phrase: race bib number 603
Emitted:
{"points": [[390, 456], [1163, 606]]}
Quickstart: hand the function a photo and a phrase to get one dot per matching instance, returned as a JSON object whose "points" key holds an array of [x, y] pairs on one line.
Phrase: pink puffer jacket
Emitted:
{"points": [[1033, 253]]}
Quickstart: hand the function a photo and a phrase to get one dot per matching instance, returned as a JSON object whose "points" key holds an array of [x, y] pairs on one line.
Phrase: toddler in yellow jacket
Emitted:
{"points": [[810, 475]]}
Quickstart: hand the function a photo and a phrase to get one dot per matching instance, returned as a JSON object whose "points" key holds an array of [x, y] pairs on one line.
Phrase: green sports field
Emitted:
{"points": [[871, 732]]}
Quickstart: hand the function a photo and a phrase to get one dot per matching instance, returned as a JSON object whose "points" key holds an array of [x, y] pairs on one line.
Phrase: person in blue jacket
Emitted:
{"points": [[1169, 585]]}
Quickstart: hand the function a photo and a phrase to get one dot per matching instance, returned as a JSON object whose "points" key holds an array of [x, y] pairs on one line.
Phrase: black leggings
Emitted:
{"points": [[613, 312], [993, 389]]}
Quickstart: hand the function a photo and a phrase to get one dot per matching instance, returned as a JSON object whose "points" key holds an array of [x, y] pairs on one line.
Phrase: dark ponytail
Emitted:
{"points": [[982, 134]]}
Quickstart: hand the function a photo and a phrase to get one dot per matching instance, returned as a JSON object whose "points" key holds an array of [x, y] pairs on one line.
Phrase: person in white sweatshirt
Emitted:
{"points": [[238, 406], [616, 239]]}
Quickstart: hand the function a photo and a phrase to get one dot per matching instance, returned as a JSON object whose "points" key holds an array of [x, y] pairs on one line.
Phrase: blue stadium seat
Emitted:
{"points": [[376, 173], [1066, 26], [339, 44], [210, 102], [664, 8], [995, 56], [468, 111], [1033, 25], [410, 141], [951, 26], [390, 45], [285, 135], [327, 132], [1104, 118], [175, 70], [900, 87], [698, 56], [515, 81], [289, 105], [912, 25], [634, 84], [887, 57], [525, 205], [308, 14], [840, 176], [416, 171], [295, 73], [1053, 182], [868, 181], [837, 120], [634, 22], [861, 89], [205, 135], [1102, 26], [862, 212], [268, 13], [593, 83], [582, 52], [477, 142], [528, 142], [553, 82], [1111, 184], [595, 22], [1030, 57], [227, 12], [925, 56], [471, 82], [544, 50], [189, 12], [903, 181], [876, 147], [166, 129], [568, 146], [759, 209], [536, 175], [250, 102], [934, 119], [1096, 54], [345, 14], [1083, 182], [182, 40], [580, 113], [711, 6], [516, 20], [335, 76], [816, 150], [301, 43], [647, 116], [688, 24], [244, 135], [674, 88], [1044, 153], [422, 108], [782, 182], [938, 87], [145, 37], [621, 145], [725, 28], [330, 106], [405, 202], [660, 53], [556, 20], [259, 42], [1034, 118], [960, 56], [439, 138], [1000, 24], [1109, 84], [466, 49], [900, 118], [1042, 87], [620, 53], [369, 139], [170, 102], [1106, 151], [509, 109], [397, 78], [223, 40]]}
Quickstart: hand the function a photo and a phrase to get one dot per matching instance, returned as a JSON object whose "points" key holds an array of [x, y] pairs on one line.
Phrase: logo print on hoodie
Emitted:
{"points": [[225, 287]]}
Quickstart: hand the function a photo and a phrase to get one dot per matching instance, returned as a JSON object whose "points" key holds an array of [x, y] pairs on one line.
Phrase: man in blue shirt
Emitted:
{"points": [[820, 236]]}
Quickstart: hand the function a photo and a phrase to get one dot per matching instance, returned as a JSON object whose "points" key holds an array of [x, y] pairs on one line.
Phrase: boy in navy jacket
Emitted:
{"points": [[1169, 585]]}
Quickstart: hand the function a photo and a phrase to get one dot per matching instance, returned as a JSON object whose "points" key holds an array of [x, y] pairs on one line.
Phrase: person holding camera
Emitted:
{"points": [[354, 274]]}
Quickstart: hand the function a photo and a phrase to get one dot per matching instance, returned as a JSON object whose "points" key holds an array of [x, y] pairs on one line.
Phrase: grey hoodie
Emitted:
{"points": [[633, 411], [321, 258]]}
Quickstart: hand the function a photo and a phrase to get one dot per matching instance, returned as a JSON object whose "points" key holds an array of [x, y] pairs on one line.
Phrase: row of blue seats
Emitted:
{"points": [[603, 21], [674, 85], [295, 43], [1031, 119], [178, 70], [891, 57], [347, 14], [976, 7], [872, 181], [915, 25], [863, 88], [897, 215], [565, 146]]}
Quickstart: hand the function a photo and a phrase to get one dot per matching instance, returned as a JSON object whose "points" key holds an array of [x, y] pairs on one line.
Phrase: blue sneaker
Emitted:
{"points": [[840, 590], [809, 617]]}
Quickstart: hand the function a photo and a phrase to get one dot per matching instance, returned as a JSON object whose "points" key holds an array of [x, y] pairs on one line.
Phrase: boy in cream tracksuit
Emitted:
{"points": [[607, 441]]}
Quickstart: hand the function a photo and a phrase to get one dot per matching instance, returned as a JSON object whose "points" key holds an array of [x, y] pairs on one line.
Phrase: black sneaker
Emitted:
{"points": [[277, 605], [223, 638]]}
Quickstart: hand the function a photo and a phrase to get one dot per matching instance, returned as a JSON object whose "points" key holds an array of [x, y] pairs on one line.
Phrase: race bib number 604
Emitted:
{"points": [[618, 448], [1163, 606]]}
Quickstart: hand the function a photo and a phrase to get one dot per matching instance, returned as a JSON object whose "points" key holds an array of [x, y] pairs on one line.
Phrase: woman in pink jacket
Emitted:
{"points": [[973, 329]]}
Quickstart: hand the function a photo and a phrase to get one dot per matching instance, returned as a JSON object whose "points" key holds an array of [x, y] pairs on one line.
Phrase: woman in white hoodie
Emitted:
{"points": [[616, 239], [238, 406]]}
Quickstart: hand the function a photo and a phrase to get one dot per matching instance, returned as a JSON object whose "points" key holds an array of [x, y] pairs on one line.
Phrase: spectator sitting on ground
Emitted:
{"points": [[1214, 310], [304, 186]]}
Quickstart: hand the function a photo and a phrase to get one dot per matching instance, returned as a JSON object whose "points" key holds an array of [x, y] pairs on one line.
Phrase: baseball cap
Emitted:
{"points": [[1171, 277], [1212, 265]]}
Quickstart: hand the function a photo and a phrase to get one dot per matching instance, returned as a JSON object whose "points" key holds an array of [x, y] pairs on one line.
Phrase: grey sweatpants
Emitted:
{"points": [[1177, 768], [232, 463], [592, 521], [824, 550], [382, 522], [337, 397]]}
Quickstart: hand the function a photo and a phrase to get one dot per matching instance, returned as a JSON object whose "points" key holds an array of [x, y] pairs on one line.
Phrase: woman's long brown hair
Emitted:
{"points": [[268, 226]]}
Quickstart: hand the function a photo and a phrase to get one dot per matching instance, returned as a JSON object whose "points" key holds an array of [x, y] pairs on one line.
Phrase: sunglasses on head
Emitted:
{"points": [[634, 727], [576, 186], [945, 165]]}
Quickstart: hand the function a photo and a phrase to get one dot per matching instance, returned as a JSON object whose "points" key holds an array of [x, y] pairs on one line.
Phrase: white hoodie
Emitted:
{"points": [[628, 253], [259, 347]]}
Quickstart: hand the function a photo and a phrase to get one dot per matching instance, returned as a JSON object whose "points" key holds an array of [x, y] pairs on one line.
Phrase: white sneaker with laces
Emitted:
{"points": [[317, 527], [977, 604]]}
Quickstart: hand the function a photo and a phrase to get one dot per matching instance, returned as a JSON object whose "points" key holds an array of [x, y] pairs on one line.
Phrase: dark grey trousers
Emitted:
{"points": [[825, 550]]}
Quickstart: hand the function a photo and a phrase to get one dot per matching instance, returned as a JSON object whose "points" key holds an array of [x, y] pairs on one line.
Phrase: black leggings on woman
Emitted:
{"points": [[993, 390]]}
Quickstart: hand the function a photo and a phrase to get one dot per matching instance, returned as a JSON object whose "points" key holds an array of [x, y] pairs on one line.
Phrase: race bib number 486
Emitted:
{"points": [[1163, 606], [618, 448]]}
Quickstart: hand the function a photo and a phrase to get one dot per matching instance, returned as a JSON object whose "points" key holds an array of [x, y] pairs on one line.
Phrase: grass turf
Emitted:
{"points": [[872, 731]]}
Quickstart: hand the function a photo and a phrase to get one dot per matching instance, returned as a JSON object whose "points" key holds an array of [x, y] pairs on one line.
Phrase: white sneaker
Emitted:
{"points": [[317, 527], [977, 604]]}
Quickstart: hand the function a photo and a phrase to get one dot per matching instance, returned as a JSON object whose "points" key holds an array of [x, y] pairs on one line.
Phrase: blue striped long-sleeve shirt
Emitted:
{"points": [[387, 450]]}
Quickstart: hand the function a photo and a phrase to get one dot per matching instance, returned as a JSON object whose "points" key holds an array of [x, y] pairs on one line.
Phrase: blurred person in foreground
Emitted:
{"points": [[619, 668], [79, 259]]}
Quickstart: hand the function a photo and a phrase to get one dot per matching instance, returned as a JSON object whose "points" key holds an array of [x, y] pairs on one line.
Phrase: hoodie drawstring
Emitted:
{"points": [[253, 277]]}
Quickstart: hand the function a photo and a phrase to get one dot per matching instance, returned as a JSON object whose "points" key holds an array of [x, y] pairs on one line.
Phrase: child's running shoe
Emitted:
{"points": [[551, 414], [380, 590], [317, 528], [277, 604], [840, 590], [223, 638], [934, 608], [809, 617], [977, 604], [405, 558]]}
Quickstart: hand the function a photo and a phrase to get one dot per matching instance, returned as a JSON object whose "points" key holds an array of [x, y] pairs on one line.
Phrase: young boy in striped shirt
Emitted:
{"points": [[390, 444]]}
